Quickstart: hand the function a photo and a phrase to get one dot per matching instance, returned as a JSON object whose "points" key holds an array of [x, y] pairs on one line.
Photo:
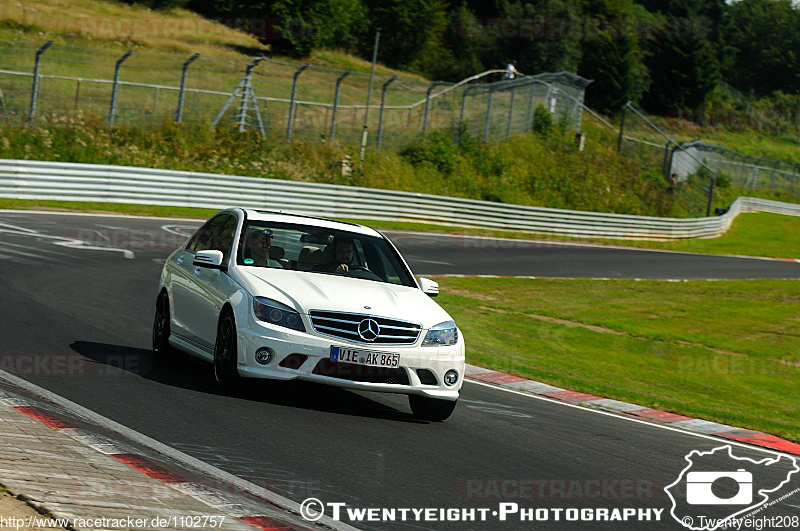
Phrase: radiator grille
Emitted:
{"points": [[346, 326]]}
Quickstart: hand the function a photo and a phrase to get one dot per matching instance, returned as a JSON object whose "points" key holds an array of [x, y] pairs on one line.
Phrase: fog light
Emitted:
{"points": [[451, 377], [263, 356]]}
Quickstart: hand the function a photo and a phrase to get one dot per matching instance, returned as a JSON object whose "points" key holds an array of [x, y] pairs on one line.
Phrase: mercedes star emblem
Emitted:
{"points": [[368, 329]]}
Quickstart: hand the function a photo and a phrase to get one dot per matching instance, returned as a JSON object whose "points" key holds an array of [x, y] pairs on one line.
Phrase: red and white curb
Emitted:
{"points": [[705, 427], [227, 504]]}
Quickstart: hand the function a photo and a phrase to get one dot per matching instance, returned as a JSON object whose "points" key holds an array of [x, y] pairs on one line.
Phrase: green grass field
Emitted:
{"points": [[725, 351]]}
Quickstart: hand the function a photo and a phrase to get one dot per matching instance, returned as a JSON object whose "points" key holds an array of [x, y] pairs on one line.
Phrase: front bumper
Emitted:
{"points": [[418, 364]]}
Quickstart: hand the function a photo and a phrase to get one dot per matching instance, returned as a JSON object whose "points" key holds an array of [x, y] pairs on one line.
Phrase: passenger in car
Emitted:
{"points": [[260, 250]]}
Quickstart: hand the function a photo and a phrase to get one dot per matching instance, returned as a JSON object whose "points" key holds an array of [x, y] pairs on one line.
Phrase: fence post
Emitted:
{"points": [[773, 172], [529, 118], [115, 89], [380, 115], [621, 128], [369, 97], [77, 93], [711, 192], [665, 166], [179, 110], [463, 110], [579, 110], [428, 103], [336, 102], [35, 87], [488, 116], [292, 102], [510, 112]]}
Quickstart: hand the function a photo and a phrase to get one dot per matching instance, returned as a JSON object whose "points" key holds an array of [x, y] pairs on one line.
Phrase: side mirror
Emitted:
{"points": [[429, 287], [210, 259]]}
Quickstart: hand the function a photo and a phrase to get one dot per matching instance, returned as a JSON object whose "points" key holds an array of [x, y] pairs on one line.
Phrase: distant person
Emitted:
{"points": [[673, 183], [511, 70]]}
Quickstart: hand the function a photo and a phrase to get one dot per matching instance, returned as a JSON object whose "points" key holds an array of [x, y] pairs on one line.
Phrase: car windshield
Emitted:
{"points": [[320, 250]]}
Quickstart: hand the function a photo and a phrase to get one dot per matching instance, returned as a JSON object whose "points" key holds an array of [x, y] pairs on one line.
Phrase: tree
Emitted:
{"points": [[411, 30], [765, 38], [471, 50], [548, 42], [611, 55], [683, 59], [309, 24]]}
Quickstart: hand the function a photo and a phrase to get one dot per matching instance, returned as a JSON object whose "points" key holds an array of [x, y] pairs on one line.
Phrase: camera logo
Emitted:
{"points": [[716, 487], [698, 488]]}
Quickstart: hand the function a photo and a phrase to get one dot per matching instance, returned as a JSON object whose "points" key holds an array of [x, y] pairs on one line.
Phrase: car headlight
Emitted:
{"points": [[277, 313], [444, 333]]}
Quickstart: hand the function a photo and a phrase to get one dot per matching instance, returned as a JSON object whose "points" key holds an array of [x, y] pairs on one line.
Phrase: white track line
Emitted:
{"points": [[638, 421]]}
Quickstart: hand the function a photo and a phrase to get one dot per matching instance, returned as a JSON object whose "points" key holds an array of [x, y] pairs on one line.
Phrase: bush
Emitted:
{"points": [[724, 180], [435, 150], [543, 121]]}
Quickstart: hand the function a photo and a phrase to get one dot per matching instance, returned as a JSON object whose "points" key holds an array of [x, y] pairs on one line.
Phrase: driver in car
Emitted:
{"points": [[343, 254]]}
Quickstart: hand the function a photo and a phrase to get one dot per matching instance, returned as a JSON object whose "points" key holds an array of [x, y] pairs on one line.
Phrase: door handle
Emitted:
{"points": [[179, 260]]}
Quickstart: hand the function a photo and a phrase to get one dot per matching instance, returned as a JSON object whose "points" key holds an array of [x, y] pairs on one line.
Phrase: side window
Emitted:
{"points": [[203, 239], [223, 240]]}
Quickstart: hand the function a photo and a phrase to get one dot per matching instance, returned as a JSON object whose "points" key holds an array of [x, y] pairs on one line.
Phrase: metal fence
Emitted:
{"points": [[644, 138], [279, 99], [21, 179], [745, 171], [652, 142]]}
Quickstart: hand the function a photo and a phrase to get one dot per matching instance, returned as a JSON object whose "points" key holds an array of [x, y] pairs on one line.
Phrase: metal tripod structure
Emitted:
{"points": [[248, 95]]}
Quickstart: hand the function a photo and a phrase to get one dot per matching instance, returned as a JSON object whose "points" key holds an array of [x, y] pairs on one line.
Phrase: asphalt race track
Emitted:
{"points": [[438, 254], [77, 306]]}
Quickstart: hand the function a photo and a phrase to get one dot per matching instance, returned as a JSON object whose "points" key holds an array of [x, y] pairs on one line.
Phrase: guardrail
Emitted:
{"points": [[34, 180]]}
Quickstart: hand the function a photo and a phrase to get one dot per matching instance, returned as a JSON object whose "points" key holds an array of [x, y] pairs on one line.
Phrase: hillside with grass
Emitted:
{"points": [[544, 168], [114, 25]]}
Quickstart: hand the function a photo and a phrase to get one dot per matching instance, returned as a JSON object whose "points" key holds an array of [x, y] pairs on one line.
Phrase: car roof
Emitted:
{"points": [[281, 217]]}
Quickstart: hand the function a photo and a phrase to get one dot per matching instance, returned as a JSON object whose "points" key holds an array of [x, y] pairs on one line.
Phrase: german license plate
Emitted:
{"points": [[365, 357]]}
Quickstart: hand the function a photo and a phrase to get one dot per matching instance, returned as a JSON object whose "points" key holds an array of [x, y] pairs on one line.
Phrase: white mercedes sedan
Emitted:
{"points": [[269, 295]]}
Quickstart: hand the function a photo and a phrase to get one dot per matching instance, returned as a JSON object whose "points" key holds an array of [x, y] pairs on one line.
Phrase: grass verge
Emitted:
{"points": [[723, 351]]}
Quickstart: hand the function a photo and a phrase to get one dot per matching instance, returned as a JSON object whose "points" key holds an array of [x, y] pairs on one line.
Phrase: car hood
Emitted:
{"points": [[306, 291]]}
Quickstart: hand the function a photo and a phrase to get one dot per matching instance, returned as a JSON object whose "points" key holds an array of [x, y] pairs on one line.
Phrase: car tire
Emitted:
{"points": [[226, 375], [161, 326], [431, 409]]}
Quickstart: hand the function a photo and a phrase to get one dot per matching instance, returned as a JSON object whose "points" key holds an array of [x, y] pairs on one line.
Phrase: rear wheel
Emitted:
{"points": [[161, 329], [226, 375], [431, 409]]}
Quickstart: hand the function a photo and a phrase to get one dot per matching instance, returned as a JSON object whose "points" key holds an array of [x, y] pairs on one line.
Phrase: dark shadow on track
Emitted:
{"points": [[187, 372]]}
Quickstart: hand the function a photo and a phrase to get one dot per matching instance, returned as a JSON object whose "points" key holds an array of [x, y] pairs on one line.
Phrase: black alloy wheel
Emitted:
{"points": [[226, 375], [161, 328], [431, 409]]}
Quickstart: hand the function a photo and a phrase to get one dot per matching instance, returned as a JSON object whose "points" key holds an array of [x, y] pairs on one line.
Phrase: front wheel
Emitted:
{"points": [[226, 375], [161, 329], [431, 409]]}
